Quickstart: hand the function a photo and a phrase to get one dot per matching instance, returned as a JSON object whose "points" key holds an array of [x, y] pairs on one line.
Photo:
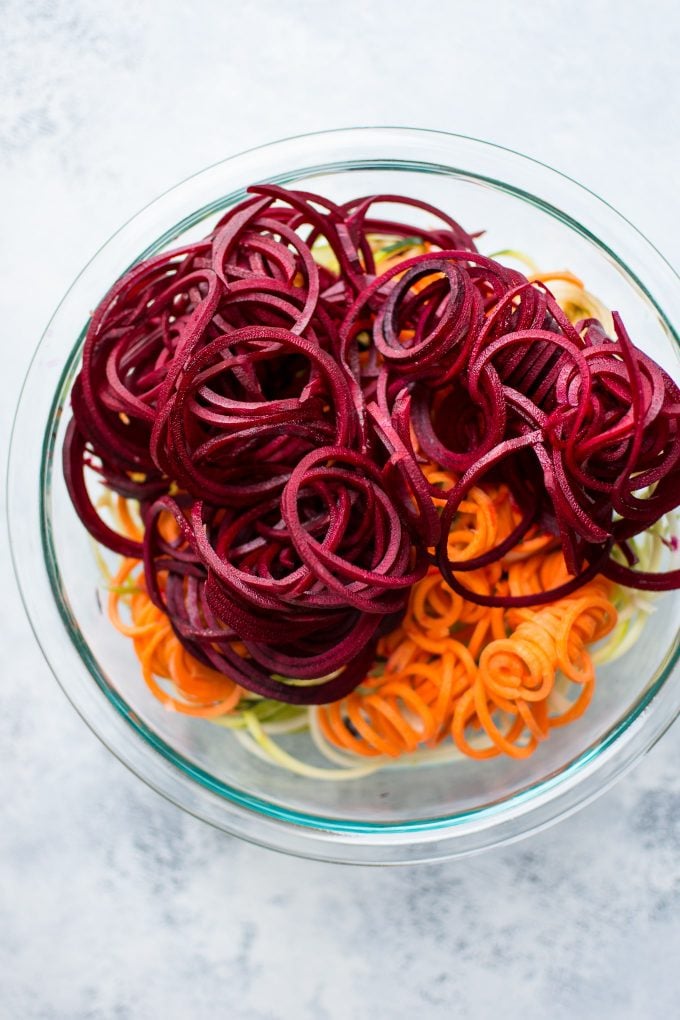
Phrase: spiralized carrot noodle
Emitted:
{"points": [[487, 677], [200, 691], [485, 518]]}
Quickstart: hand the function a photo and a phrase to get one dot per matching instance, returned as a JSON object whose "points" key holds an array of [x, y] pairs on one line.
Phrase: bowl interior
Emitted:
{"points": [[397, 797]]}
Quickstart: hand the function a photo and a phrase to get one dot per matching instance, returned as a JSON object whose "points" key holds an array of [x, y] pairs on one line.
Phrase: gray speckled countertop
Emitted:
{"points": [[114, 905]]}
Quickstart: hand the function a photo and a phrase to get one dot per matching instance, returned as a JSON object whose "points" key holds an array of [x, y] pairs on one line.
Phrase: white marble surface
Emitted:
{"points": [[113, 905]]}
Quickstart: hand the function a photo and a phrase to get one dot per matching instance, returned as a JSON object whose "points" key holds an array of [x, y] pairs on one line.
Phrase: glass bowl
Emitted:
{"points": [[398, 814]]}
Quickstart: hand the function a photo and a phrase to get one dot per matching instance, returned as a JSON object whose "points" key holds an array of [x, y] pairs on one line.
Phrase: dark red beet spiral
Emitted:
{"points": [[287, 403]]}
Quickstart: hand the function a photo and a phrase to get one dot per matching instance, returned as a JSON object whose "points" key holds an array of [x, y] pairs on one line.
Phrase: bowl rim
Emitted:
{"points": [[547, 799]]}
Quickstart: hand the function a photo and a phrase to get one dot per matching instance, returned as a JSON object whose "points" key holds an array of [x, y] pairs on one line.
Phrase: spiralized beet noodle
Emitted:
{"points": [[280, 411]]}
